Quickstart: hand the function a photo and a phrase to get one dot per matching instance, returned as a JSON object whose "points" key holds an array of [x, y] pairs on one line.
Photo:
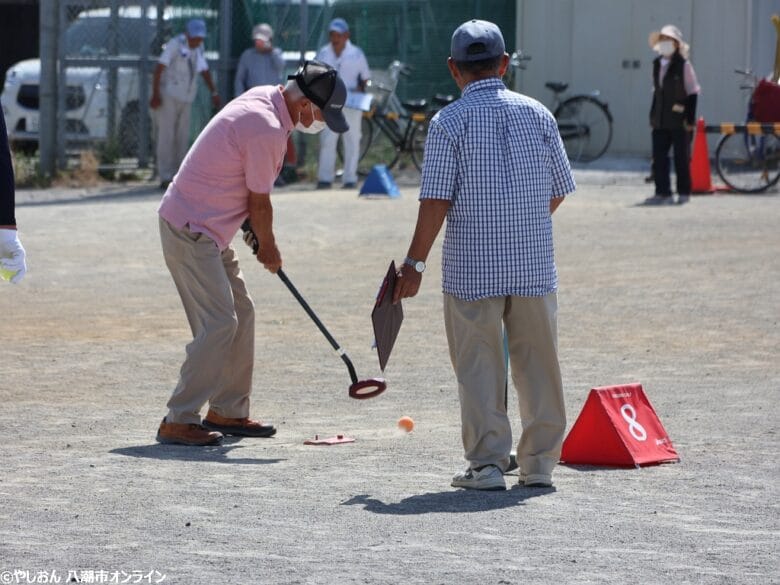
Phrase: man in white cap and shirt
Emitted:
{"points": [[352, 67], [262, 64], [174, 86]]}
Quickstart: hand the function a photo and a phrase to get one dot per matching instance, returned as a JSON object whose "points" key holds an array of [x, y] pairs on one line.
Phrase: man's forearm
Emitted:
{"points": [[555, 202], [209, 82], [430, 218], [158, 70], [261, 218]]}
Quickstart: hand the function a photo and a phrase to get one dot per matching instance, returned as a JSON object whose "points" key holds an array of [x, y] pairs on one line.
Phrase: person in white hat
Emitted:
{"points": [[672, 114], [174, 86], [262, 64]]}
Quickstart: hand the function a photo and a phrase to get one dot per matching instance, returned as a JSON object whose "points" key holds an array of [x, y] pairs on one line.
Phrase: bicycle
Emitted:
{"points": [[748, 162], [584, 120], [392, 127]]}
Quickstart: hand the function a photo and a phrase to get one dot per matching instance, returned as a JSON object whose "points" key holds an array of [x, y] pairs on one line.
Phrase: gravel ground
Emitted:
{"points": [[682, 299]]}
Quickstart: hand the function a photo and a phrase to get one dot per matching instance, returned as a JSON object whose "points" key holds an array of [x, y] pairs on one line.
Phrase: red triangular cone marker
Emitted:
{"points": [[618, 427]]}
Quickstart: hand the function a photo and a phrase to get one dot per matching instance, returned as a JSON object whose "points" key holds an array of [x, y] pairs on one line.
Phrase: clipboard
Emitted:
{"points": [[358, 101], [386, 317]]}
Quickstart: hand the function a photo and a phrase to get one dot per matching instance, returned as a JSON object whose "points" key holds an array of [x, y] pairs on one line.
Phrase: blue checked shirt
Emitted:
{"points": [[498, 158]]}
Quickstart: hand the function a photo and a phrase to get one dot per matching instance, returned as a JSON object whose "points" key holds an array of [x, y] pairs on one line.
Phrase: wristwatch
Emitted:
{"points": [[418, 265]]}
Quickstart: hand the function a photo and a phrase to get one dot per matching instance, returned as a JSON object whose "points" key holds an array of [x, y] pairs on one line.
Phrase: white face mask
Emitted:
{"points": [[665, 48], [315, 127]]}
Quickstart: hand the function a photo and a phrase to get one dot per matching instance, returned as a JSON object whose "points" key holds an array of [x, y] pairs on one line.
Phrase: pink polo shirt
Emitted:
{"points": [[240, 150]]}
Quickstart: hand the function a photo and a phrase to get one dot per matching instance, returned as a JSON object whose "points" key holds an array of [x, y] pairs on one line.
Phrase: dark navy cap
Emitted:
{"points": [[477, 40]]}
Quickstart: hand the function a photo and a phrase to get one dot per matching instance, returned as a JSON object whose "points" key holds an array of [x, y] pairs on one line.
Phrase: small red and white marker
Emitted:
{"points": [[337, 440]]}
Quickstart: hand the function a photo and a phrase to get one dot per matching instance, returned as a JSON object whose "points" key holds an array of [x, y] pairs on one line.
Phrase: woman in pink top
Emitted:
{"points": [[226, 177]]}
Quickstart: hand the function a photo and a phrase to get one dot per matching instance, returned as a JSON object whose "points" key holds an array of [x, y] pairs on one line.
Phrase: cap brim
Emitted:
{"points": [[333, 112], [263, 38], [335, 120]]}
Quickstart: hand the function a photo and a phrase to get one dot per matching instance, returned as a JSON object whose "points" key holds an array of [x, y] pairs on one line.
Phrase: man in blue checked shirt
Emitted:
{"points": [[496, 170]]}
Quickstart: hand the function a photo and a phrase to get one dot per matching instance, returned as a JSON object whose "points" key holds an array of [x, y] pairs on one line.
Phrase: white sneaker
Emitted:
{"points": [[489, 477], [536, 480]]}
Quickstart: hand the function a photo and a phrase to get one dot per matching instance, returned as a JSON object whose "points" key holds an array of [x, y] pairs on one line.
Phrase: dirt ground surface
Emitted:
{"points": [[684, 299]]}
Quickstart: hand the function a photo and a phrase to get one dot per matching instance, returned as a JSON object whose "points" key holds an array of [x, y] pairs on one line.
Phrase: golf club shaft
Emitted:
{"points": [[318, 323], [247, 228]]}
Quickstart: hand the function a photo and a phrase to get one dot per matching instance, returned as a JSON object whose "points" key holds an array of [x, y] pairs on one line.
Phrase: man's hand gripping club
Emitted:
{"points": [[259, 233], [271, 262]]}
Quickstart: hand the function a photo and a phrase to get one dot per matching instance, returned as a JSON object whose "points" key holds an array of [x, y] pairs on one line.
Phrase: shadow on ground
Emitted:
{"points": [[69, 196], [453, 502], [215, 454]]}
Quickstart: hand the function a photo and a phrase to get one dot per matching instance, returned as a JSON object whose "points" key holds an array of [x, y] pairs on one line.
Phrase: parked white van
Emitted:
{"points": [[94, 34]]}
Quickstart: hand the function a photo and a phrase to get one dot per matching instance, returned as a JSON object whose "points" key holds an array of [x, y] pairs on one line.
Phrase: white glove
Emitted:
{"points": [[12, 255]]}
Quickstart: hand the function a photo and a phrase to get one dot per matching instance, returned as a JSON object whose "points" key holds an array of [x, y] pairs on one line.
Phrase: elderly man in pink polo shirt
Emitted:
{"points": [[226, 177]]}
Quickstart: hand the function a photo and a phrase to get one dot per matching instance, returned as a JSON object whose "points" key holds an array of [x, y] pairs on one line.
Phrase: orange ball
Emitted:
{"points": [[406, 423]]}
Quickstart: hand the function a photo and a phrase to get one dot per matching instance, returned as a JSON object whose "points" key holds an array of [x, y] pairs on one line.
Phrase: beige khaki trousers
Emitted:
{"points": [[475, 333], [173, 135], [220, 358]]}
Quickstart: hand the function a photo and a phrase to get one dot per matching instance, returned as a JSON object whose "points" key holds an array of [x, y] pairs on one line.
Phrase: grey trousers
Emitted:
{"points": [[173, 135], [475, 337], [220, 358]]}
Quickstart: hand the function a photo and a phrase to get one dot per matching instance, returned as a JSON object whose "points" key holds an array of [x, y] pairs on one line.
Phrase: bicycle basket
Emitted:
{"points": [[766, 102], [381, 86]]}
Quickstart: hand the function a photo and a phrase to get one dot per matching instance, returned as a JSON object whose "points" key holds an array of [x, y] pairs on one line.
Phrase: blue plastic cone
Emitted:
{"points": [[380, 182]]}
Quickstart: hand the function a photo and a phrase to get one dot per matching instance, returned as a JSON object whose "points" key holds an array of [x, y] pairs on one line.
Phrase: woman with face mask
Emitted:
{"points": [[672, 114]]}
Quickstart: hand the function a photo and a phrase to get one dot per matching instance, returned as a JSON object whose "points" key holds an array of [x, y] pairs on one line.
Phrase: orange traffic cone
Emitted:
{"points": [[701, 181]]}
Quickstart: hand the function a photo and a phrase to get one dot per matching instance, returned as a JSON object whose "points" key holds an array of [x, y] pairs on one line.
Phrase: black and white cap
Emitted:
{"points": [[321, 84]]}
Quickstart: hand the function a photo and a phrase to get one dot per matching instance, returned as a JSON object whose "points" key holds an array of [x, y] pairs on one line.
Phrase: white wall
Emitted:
{"points": [[602, 44]]}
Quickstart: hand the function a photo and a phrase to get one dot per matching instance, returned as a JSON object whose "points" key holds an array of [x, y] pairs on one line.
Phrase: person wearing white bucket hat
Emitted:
{"points": [[666, 34], [672, 114]]}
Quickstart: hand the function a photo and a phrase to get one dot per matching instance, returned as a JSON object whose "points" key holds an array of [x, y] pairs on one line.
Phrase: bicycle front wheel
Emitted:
{"points": [[419, 135], [366, 135], [585, 125], [383, 149], [747, 163]]}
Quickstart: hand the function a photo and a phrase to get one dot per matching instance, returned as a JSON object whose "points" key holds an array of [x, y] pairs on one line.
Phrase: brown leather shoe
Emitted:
{"points": [[187, 434], [242, 427]]}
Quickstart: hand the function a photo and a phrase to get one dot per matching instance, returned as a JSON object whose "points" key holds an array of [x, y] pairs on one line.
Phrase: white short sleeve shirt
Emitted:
{"points": [[351, 64], [182, 66]]}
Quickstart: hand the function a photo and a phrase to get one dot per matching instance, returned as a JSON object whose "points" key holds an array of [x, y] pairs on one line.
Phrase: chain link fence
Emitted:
{"points": [[106, 51]]}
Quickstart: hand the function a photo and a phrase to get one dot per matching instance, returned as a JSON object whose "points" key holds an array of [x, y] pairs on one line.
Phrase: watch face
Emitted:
{"points": [[419, 266]]}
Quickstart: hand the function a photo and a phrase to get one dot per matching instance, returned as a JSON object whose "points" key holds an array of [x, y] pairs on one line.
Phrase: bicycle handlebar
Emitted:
{"points": [[401, 68], [518, 58]]}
